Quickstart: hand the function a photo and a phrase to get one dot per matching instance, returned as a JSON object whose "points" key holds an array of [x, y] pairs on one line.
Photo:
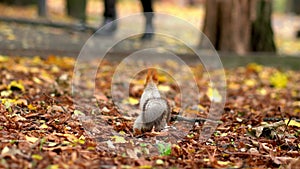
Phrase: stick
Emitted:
{"points": [[193, 120]]}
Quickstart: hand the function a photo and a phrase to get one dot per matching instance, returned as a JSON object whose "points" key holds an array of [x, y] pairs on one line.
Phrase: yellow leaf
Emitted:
{"points": [[200, 107], [214, 95], [122, 132], [255, 67], [164, 88], [292, 123], [36, 60], [131, 101], [78, 112], [31, 139], [21, 102], [37, 80], [21, 68], [262, 91], [250, 82], [82, 137], [138, 82], [3, 58], [6, 93], [16, 85], [162, 78], [296, 103], [37, 156], [79, 141], [55, 69], [34, 70], [44, 126], [5, 150], [7, 102], [145, 166], [31, 107], [119, 139], [224, 134], [46, 76], [279, 80], [206, 160], [55, 166], [159, 162], [233, 86], [224, 163], [90, 148]]}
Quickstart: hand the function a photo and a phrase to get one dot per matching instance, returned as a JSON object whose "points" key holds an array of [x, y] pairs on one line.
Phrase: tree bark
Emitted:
{"points": [[293, 6], [239, 26], [77, 9], [262, 32], [19, 2]]}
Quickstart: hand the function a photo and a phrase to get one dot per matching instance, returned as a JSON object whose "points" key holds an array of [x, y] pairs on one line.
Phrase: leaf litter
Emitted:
{"points": [[41, 128]]}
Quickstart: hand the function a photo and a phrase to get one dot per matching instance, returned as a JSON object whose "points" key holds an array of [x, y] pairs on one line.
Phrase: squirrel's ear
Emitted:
{"points": [[151, 76], [154, 76]]}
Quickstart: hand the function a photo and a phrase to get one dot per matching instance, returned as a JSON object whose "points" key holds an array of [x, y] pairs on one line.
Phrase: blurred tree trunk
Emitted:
{"points": [[19, 2], [77, 9], [239, 26], [293, 6]]}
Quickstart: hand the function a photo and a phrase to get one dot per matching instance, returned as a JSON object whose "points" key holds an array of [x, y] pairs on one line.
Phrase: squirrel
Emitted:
{"points": [[155, 110]]}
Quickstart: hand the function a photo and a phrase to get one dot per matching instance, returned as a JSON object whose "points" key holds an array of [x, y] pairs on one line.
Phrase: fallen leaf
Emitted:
{"points": [[254, 67], [4, 58], [5, 150], [214, 95], [31, 107], [36, 157], [78, 112], [292, 123], [164, 88], [31, 139], [43, 126], [55, 166], [6, 93], [159, 162], [119, 139], [14, 85], [131, 101], [279, 80], [250, 82], [37, 80]]}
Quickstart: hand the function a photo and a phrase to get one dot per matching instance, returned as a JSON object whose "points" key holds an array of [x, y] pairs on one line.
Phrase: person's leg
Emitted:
{"points": [[147, 5], [147, 9], [110, 9], [109, 15]]}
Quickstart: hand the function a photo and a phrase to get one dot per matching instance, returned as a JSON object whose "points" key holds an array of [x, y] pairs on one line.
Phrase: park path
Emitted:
{"points": [[31, 39]]}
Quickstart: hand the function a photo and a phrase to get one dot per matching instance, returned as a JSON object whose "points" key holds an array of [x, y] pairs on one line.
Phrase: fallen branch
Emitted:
{"points": [[193, 120], [276, 119]]}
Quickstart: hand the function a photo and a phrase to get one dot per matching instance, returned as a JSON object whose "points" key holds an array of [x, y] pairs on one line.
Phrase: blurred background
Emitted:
{"points": [[238, 27]]}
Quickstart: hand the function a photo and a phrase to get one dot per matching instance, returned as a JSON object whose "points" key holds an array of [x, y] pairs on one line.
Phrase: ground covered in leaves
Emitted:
{"points": [[41, 127]]}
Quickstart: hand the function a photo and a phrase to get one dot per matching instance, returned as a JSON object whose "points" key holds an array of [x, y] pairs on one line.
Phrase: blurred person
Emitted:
{"points": [[110, 14]]}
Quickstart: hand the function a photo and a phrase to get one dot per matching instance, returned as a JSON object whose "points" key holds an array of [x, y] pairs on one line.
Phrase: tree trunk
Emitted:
{"points": [[19, 2], [77, 9], [239, 26], [293, 6], [262, 32]]}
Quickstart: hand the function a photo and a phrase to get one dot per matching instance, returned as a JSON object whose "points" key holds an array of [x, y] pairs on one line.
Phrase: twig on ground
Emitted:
{"points": [[193, 120]]}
